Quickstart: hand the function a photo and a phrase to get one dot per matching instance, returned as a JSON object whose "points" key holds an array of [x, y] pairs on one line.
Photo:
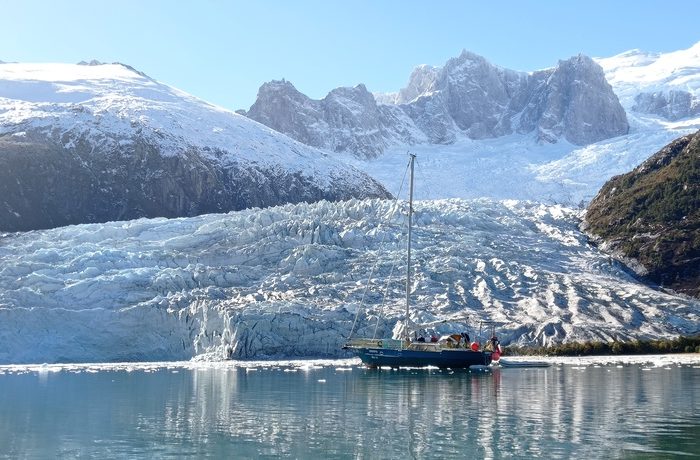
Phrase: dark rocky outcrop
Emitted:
{"points": [[44, 184], [573, 101], [650, 217], [346, 120]]}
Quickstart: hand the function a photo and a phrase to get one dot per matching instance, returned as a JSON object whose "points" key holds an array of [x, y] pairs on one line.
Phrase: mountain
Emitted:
{"points": [[521, 167], [346, 120], [468, 97], [97, 142], [287, 281], [661, 84], [651, 216]]}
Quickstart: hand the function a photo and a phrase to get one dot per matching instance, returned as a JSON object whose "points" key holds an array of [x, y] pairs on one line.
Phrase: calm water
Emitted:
{"points": [[302, 411]]}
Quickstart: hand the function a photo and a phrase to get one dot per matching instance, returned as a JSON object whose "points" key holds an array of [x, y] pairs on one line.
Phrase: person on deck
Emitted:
{"points": [[495, 344]]}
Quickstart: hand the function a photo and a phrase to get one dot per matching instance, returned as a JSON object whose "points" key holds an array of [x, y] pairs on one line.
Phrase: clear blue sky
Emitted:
{"points": [[222, 51]]}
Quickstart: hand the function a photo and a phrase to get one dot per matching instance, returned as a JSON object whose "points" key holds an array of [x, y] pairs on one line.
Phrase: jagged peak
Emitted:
{"points": [[469, 55], [127, 66], [579, 62], [469, 60], [422, 69], [357, 93], [465, 58], [580, 58], [279, 83], [360, 88], [278, 86]]}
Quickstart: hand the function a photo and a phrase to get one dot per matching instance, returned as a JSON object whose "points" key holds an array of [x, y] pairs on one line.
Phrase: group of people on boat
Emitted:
{"points": [[459, 341]]}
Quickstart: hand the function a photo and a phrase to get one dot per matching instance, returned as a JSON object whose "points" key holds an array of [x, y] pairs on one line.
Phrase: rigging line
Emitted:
{"points": [[381, 243], [386, 292]]}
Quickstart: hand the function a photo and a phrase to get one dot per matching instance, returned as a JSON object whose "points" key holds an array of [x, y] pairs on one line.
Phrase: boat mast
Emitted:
{"points": [[408, 258]]}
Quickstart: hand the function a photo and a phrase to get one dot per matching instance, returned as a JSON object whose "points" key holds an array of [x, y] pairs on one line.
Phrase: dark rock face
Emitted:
{"points": [[477, 93], [651, 216], [672, 105], [347, 119], [468, 97], [45, 185], [573, 101], [294, 112]]}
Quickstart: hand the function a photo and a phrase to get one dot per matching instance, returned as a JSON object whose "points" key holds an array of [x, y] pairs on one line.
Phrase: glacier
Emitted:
{"points": [[287, 281]]}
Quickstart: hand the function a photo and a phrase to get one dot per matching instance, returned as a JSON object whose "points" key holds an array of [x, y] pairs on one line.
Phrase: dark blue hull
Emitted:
{"points": [[446, 358]]}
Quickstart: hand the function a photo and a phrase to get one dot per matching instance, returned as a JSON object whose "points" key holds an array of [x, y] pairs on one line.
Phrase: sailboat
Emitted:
{"points": [[454, 352]]}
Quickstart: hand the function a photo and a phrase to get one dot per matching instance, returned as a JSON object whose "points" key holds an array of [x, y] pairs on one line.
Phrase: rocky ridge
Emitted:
{"points": [[100, 142], [650, 217], [468, 97]]}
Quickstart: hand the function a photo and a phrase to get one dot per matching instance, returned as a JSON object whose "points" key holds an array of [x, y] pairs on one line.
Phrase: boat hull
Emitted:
{"points": [[444, 358]]}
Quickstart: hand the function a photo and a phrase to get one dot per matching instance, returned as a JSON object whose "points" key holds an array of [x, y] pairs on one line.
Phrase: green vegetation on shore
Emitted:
{"points": [[652, 215], [633, 347]]}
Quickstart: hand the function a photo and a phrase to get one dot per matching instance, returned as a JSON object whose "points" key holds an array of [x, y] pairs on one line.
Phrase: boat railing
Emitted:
{"points": [[375, 343], [424, 346], [363, 343]]}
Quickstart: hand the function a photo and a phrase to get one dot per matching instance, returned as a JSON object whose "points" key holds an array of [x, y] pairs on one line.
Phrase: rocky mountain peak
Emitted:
{"points": [[578, 103], [358, 94], [277, 88], [422, 81], [290, 108], [467, 97], [466, 57]]}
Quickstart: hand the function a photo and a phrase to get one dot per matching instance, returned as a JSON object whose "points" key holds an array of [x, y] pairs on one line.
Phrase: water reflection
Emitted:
{"points": [[558, 412]]}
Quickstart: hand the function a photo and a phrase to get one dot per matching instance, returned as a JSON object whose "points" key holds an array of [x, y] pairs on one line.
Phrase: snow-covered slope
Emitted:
{"points": [[287, 281], [665, 84], [108, 129]]}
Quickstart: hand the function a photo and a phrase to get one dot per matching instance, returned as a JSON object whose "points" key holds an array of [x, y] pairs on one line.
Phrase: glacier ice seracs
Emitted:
{"points": [[286, 281]]}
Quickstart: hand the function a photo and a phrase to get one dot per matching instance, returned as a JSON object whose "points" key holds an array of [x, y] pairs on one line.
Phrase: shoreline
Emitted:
{"points": [[658, 360]]}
